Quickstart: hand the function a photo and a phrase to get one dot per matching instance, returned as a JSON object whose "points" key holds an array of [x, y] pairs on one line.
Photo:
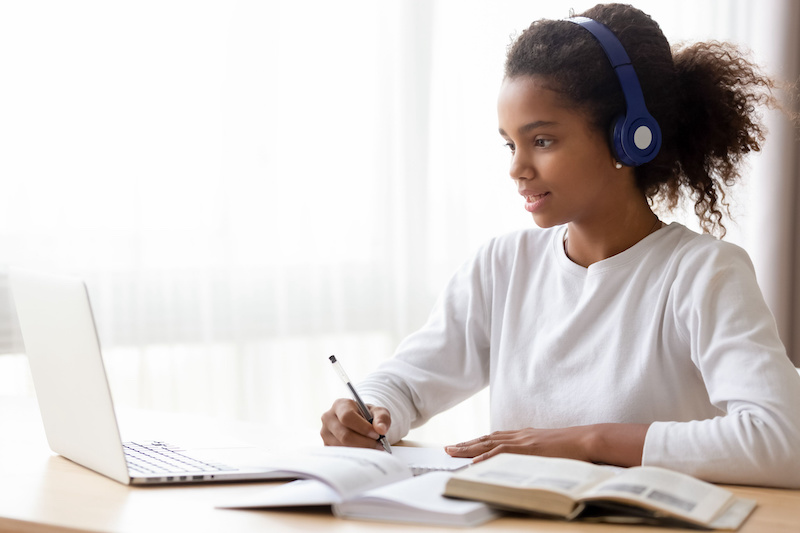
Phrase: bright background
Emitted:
{"points": [[249, 187]]}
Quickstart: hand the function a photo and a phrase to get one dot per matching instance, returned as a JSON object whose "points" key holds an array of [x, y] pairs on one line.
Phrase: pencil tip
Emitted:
{"points": [[332, 358]]}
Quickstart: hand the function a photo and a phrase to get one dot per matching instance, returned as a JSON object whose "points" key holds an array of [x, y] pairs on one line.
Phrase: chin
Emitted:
{"points": [[545, 223]]}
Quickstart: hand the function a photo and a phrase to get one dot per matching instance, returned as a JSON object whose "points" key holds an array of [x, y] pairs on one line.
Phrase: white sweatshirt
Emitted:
{"points": [[673, 331]]}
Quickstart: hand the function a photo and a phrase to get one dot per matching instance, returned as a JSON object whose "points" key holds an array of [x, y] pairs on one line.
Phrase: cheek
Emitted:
{"points": [[593, 161], [598, 152], [567, 170], [582, 174]]}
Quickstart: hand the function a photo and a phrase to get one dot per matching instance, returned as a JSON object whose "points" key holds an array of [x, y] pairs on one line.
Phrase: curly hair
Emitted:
{"points": [[704, 96]]}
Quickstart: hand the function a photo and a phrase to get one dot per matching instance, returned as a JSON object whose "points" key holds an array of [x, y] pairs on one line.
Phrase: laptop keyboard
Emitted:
{"points": [[161, 458]]}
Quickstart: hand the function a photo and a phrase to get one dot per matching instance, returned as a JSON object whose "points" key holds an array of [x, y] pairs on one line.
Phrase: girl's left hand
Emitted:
{"points": [[564, 442], [613, 444]]}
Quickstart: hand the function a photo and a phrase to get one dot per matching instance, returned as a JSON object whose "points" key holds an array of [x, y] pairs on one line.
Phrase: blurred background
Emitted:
{"points": [[249, 187]]}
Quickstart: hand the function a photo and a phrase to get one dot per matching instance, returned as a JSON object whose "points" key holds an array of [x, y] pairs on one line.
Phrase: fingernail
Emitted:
{"points": [[373, 435]]}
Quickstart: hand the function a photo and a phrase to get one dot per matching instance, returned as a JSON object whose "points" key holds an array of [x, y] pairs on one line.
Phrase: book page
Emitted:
{"points": [[659, 488], [563, 476], [735, 514], [416, 500]]}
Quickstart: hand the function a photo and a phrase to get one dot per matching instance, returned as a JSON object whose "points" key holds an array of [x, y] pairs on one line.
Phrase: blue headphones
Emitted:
{"points": [[635, 136]]}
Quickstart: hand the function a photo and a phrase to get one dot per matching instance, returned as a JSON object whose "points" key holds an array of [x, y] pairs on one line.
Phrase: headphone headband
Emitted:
{"points": [[636, 136]]}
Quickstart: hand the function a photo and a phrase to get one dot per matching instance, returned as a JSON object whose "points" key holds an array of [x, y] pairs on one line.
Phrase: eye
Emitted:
{"points": [[543, 143], [510, 146]]}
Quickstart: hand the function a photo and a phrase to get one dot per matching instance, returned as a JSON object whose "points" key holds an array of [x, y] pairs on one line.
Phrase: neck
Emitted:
{"points": [[592, 241]]}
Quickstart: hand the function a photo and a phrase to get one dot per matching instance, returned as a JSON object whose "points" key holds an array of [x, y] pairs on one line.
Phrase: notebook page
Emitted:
{"points": [[422, 460], [416, 500]]}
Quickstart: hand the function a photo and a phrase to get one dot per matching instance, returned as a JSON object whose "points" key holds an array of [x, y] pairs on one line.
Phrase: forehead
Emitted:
{"points": [[527, 99]]}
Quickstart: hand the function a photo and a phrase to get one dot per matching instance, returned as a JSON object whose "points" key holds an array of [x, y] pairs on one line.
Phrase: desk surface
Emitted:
{"points": [[40, 491]]}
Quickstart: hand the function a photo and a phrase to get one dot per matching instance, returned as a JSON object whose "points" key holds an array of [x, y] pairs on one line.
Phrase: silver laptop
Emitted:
{"points": [[72, 390]]}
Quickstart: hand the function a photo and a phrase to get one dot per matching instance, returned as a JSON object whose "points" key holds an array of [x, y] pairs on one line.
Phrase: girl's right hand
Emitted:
{"points": [[343, 425]]}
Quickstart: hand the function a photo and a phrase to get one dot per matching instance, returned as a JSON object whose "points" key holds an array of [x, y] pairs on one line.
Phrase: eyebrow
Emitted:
{"points": [[531, 126]]}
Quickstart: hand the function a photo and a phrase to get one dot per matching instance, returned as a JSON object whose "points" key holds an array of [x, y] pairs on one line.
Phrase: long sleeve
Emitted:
{"points": [[673, 332], [721, 314], [441, 364]]}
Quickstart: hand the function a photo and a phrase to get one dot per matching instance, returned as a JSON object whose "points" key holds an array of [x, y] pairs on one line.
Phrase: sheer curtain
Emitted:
{"points": [[249, 187]]}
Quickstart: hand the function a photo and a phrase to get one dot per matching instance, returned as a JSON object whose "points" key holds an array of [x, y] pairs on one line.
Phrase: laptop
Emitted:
{"points": [[75, 402]]}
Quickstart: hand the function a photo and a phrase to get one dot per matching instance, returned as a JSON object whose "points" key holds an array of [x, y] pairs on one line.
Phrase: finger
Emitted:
{"points": [[339, 435], [342, 425], [347, 438], [467, 443], [473, 447], [500, 448], [484, 456], [381, 419], [459, 451], [350, 417], [329, 422], [496, 436], [328, 438], [354, 422]]}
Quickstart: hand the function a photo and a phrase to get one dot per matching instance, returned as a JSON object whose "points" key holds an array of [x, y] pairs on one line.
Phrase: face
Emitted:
{"points": [[562, 166]]}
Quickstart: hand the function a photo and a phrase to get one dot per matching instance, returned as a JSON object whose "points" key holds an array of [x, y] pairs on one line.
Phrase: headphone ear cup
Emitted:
{"points": [[617, 141], [635, 141]]}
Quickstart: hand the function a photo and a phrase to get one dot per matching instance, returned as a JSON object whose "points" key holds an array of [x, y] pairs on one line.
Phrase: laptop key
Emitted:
{"points": [[159, 457]]}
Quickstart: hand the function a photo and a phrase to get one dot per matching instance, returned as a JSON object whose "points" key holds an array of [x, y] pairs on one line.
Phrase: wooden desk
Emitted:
{"points": [[40, 491]]}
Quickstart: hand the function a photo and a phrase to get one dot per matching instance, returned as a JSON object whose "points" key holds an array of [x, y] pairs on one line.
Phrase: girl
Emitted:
{"points": [[604, 334]]}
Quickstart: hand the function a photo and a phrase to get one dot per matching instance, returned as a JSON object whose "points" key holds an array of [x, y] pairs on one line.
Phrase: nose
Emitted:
{"points": [[520, 168]]}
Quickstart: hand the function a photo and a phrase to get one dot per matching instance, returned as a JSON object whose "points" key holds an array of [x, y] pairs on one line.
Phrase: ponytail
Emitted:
{"points": [[718, 95]]}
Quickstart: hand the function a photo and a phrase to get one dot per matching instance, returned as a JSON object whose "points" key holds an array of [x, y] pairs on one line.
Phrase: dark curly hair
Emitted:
{"points": [[704, 97]]}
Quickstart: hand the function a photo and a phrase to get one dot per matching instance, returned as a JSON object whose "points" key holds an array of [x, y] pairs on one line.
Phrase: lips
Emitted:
{"points": [[534, 197], [534, 200]]}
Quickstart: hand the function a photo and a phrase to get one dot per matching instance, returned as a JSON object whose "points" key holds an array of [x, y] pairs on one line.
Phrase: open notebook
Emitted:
{"points": [[373, 485]]}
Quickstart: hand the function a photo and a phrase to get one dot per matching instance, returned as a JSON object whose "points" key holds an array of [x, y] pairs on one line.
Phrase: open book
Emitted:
{"points": [[573, 489], [373, 485]]}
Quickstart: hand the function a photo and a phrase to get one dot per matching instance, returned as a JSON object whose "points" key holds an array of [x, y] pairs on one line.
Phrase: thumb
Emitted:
{"points": [[381, 420]]}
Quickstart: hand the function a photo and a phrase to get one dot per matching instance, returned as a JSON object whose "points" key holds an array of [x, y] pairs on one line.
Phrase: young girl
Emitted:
{"points": [[604, 334]]}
